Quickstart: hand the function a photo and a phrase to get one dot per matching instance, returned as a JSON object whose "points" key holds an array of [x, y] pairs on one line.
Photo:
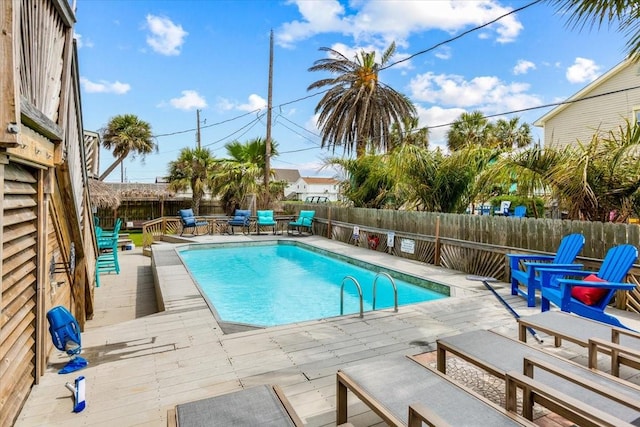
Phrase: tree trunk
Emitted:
{"points": [[112, 167]]}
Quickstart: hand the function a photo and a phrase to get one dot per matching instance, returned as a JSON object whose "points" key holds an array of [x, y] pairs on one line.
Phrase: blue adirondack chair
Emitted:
{"points": [[520, 211], [570, 247], [265, 219], [240, 219], [188, 220], [570, 295]]}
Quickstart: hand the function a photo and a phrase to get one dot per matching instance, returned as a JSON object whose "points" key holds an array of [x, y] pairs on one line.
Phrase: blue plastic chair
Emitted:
{"points": [[188, 220], [556, 288], [240, 219], [265, 219], [304, 221], [520, 211], [569, 248]]}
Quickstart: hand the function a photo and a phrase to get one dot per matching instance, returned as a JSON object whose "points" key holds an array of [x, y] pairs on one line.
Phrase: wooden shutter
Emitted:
{"points": [[18, 302]]}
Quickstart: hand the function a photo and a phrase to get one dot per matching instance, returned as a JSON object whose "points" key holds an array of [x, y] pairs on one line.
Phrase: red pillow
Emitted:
{"points": [[586, 295]]}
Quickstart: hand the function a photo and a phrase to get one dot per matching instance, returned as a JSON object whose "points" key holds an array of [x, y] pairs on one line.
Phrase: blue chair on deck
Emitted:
{"points": [[265, 219], [503, 209], [107, 261], [520, 211], [570, 247], [304, 222], [104, 238], [590, 296], [240, 219], [188, 220]]}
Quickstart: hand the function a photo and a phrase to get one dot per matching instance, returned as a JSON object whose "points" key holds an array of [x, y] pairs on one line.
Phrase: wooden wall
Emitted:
{"points": [[44, 191]]}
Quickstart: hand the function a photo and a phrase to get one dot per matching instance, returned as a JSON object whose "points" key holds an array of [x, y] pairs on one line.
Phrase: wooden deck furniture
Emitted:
{"points": [[623, 345], [499, 355]]}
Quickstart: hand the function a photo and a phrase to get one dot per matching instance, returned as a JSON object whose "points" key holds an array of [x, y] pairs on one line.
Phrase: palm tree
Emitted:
{"points": [[626, 13], [469, 129], [239, 175], [407, 132], [591, 180], [126, 134], [511, 134], [192, 169], [357, 110]]}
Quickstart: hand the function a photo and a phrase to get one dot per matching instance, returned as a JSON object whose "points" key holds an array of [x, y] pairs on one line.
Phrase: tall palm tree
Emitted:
{"points": [[407, 132], [357, 110], [626, 13], [469, 129], [127, 134], [511, 134], [192, 169]]}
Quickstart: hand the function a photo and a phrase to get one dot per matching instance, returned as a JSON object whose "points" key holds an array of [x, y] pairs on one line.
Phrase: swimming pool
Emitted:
{"points": [[287, 282]]}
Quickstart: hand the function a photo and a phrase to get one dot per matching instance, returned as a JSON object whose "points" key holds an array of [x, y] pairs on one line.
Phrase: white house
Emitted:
{"points": [[315, 187], [601, 106]]}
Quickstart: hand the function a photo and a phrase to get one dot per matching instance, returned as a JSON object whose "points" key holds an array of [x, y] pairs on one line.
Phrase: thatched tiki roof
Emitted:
{"points": [[103, 195]]}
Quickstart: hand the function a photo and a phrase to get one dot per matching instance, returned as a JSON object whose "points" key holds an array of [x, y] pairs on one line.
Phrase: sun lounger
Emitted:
{"points": [[499, 355], [389, 386], [622, 344], [257, 406]]}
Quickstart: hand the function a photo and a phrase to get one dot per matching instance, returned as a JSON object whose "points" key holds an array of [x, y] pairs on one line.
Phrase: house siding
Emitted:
{"points": [[581, 120]]}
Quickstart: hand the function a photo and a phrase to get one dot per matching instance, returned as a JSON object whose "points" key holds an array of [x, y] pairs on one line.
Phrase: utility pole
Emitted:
{"points": [[198, 128], [267, 153]]}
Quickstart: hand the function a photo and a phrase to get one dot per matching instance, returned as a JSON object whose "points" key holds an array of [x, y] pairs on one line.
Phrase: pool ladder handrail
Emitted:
{"points": [[342, 295], [395, 290]]}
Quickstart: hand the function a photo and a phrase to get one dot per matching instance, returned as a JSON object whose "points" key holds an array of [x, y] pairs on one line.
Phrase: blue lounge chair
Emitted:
{"points": [[304, 222], [569, 248], [265, 219], [240, 219], [589, 297], [520, 211], [188, 220]]}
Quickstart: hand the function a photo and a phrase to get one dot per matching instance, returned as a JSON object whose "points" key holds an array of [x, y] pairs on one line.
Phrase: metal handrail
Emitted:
{"points": [[395, 290], [342, 295]]}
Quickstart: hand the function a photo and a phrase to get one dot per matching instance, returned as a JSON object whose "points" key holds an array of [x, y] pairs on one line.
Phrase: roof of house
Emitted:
{"points": [[319, 180], [584, 91], [289, 175]]}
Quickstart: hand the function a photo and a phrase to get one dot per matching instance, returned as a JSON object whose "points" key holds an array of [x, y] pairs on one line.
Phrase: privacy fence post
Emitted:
{"points": [[436, 252]]}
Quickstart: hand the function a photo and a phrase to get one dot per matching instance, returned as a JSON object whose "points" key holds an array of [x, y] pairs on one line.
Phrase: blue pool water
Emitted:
{"points": [[276, 284]]}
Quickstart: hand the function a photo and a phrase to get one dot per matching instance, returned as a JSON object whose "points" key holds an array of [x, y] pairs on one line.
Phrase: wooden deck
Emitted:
{"points": [[142, 362]]}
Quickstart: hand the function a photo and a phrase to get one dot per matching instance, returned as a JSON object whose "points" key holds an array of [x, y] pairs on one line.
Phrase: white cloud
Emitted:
{"points": [[387, 21], [523, 66], [583, 70], [166, 37], [443, 52], [255, 102], [104, 86], [485, 93], [438, 116], [190, 100], [81, 42]]}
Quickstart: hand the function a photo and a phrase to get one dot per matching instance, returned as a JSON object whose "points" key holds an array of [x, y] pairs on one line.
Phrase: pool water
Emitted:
{"points": [[276, 284]]}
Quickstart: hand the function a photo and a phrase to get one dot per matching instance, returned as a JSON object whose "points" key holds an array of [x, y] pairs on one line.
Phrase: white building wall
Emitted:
{"points": [[581, 120]]}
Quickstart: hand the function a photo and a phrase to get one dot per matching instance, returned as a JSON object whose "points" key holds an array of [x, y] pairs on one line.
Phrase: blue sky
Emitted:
{"points": [[162, 60]]}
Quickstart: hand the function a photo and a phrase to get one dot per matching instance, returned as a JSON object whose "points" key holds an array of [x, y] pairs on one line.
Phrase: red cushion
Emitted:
{"points": [[586, 295]]}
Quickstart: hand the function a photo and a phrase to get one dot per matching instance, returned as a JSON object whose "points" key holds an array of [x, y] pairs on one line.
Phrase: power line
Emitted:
{"points": [[207, 126], [461, 35]]}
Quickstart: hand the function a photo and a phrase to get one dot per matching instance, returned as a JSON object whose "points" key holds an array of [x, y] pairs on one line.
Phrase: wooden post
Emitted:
{"points": [[329, 223], [9, 73], [436, 252]]}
